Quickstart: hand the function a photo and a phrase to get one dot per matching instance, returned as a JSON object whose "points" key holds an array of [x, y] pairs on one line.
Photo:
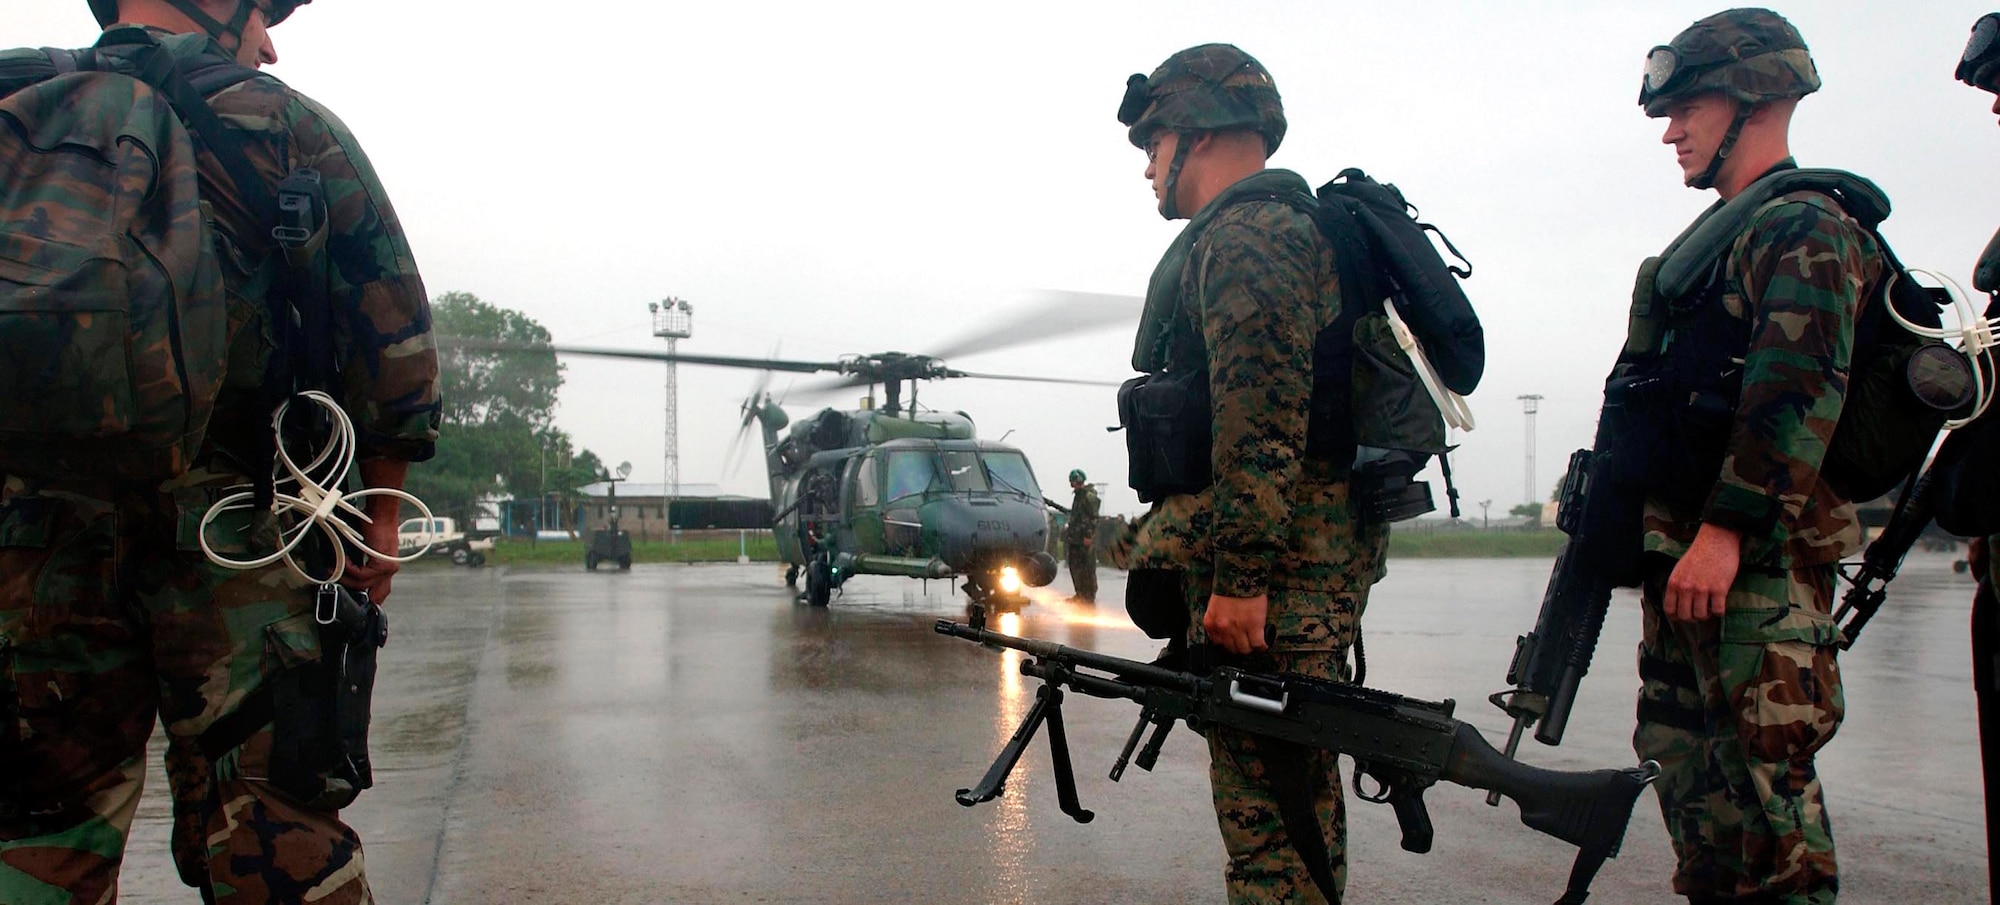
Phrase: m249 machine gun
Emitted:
{"points": [[1405, 745]]}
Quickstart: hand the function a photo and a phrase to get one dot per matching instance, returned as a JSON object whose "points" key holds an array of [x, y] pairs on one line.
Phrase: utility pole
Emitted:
{"points": [[673, 321], [1529, 404]]}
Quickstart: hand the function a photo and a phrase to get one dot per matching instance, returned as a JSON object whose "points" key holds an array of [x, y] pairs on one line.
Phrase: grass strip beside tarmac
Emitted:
{"points": [[761, 548]]}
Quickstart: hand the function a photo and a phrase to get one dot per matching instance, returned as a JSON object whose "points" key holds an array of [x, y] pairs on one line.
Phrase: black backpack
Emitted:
{"points": [[1407, 341]]}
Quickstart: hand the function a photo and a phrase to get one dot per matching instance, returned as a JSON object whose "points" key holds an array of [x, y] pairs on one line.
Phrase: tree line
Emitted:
{"points": [[497, 437]]}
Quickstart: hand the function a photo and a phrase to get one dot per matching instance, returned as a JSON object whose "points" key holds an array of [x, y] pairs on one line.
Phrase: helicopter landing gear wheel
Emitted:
{"points": [[819, 583], [590, 561], [792, 575]]}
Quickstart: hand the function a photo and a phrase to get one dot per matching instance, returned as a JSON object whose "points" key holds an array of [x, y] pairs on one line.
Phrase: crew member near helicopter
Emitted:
{"points": [[1272, 540], [1080, 537]]}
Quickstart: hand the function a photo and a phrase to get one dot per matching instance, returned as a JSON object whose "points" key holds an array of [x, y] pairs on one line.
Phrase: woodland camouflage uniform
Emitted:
{"points": [[1735, 708], [1080, 540], [1245, 289], [110, 615]]}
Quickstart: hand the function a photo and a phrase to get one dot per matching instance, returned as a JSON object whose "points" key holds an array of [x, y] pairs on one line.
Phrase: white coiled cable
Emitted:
{"points": [[1974, 338], [309, 498]]}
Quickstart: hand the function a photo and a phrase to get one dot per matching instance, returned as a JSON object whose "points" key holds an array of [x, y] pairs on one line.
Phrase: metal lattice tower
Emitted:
{"points": [[1530, 403], [673, 321]]}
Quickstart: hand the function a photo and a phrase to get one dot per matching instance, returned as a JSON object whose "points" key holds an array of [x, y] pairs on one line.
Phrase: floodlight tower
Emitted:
{"points": [[673, 321], [1529, 405]]}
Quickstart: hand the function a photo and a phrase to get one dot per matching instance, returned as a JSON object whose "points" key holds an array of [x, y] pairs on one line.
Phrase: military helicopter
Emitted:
{"points": [[896, 489]]}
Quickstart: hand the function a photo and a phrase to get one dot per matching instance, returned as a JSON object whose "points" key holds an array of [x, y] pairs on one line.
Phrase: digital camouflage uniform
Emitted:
{"points": [[1735, 708], [1256, 282], [111, 617], [1244, 291], [1080, 541]]}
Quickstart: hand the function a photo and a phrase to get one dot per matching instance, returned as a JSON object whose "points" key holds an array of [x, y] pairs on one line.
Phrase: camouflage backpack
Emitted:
{"points": [[112, 309]]}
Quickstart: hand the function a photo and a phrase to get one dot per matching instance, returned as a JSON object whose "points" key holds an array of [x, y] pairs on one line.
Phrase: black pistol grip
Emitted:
{"points": [[1414, 819]]}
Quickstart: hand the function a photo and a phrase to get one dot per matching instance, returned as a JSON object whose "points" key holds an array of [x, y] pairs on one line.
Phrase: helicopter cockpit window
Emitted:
{"points": [[866, 489], [910, 473], [1010, 472], [962, 469]]}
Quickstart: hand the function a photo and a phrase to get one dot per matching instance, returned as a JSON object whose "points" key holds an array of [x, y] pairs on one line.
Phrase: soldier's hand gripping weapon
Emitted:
{"points": [[1405, 745]]}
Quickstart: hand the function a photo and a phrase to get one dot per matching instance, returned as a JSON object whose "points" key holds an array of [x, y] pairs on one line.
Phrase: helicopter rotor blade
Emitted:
{"points": [[722, 361], [752, 405], [1055, 313], [1074, 381]]}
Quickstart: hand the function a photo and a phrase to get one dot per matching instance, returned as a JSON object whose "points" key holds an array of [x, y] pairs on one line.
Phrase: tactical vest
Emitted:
{"points": [[1671, 401], [1369, 409], [1169, 411]]}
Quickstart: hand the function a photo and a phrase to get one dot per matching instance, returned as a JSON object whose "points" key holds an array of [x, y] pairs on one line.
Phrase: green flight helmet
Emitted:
{"points": [[1076, 476], [1979, 66], [1750, 55], [275, 11], [1209, 88]]}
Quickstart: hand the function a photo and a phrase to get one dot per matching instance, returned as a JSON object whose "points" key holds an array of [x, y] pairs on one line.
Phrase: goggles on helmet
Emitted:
{"points": [[1668, 71], [1981, 62]]}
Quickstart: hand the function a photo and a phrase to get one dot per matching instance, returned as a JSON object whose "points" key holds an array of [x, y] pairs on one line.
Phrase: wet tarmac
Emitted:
{"points": [[691, 734]]}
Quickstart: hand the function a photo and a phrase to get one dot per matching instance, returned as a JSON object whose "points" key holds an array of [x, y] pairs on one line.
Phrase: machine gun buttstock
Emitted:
{"points": [[1589, 810]]}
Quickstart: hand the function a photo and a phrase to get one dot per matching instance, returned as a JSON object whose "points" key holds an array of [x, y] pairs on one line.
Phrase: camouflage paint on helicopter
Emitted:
{"points": [[898, 490], [888, 492]]}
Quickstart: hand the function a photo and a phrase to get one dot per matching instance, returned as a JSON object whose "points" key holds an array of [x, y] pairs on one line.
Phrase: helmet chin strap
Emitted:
{"points": [[1706, 178], [229, 34], [1170, 208]]}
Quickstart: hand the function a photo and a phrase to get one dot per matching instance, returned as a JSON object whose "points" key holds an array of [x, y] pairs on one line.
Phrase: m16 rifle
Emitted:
{"points": [[1602, 517], [1405, 745]]}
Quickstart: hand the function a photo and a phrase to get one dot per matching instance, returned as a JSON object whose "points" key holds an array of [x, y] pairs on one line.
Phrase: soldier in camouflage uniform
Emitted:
{"points": [[1979, 67], [1080, 537], [1740, 686], [1243, 292], [111, 617]]}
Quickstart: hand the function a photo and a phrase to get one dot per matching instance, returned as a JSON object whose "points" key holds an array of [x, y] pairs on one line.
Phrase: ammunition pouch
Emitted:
{"points": [[1157, 602], [318, 710], [1668, 437], [1168, 433]]}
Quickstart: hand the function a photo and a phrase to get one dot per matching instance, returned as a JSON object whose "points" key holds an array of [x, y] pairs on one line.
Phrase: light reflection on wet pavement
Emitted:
{"points": [[690, 734]]}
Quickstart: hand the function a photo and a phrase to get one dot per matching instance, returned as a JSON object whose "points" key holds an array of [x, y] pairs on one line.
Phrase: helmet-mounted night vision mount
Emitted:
{"points": [[1136, 99], [1980, 65]]}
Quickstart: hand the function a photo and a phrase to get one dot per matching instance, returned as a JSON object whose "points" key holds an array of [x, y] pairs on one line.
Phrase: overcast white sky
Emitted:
{"points": [[859, 177]]}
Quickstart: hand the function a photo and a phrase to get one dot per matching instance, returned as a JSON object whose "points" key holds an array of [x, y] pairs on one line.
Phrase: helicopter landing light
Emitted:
{"points": [[1010, 580]]}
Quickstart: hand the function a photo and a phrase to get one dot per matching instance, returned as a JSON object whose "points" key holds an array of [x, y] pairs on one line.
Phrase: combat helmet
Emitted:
{"points": [[1209, 88], [1980, 65], [1751, 55], [275, 11], [1076, 475]]}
